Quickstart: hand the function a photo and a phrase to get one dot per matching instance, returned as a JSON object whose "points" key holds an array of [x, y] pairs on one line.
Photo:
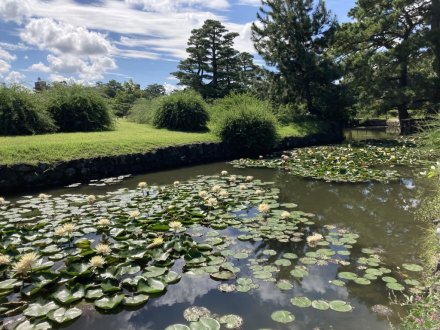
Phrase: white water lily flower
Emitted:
{"points": [[314, 239], [25, 263], [216, 188], [258, 192], [91, 199], [134, 214], [223, 193], [43, 197], [211, 201], [175, 225], [203, 194], [242, 187], [142, 185], [232, 178], [176, 183], [103, 249], [264, 208], [285, 215], [97, 262], [224, 173], [104, 222], [2, 201], [4, 259], [249, 178]]}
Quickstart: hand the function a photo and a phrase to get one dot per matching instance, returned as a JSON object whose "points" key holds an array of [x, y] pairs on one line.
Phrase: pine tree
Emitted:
{"points": [[213, 65], [293, 36]]}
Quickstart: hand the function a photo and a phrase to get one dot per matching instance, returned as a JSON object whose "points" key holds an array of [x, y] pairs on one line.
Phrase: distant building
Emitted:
{"points": [[40, 85]]}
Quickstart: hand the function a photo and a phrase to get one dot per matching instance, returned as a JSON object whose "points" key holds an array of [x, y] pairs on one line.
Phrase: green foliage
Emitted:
{"points": [[245, 123], [125, 98], [154, 90], [213, 67], [289, 113], [78, 109], [143, 110], [21, 114], [293, 38], [182, 111]]}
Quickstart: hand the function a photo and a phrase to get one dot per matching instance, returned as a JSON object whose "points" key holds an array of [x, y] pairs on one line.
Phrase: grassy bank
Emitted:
{"points": [[424, 310], [127, 138]]}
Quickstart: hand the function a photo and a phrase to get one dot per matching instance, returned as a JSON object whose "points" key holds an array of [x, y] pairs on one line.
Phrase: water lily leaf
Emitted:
{"points": [[77, 269], [412, 282], [39, 310], [94, 293], [150, 285], [178, 327], [231, 321], [395, 286], [136, 300], [222, 275], [283, 262], [284, 285], [362, 281], [62, 315], [337, 282], [205, 323], [154, 271], [27, 325], [412, 267], [340, 306], [347, 275], [66, 296], [110, 285], [109, 303], [282, 316], [194, 313], [320, 304], [290, 256], [389, 279], [302, 302], [299, 272], [10, 284], [289, 205], [172, 277]]}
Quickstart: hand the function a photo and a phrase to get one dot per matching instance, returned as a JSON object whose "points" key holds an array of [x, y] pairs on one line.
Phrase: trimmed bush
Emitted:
{"points": [[181, 111], [21, 114], [78, 109], [245, 123]]}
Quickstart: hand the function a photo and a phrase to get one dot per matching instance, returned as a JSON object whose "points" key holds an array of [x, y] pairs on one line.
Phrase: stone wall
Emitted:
{"points": [[24, 177]]}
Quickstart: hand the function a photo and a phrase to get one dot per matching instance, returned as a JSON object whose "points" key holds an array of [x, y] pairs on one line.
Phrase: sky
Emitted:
{"points": [[86, 41]]}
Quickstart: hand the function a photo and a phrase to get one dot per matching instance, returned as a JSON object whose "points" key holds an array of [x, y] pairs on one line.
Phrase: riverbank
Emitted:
{"points": [[36, 162]]}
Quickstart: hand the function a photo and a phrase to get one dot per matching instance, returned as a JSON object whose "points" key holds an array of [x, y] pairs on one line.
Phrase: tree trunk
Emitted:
{"points": [[435, 41], [403, 83]]}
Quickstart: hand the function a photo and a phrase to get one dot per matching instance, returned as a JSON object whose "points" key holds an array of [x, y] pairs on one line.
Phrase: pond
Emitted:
{"points": [[364, 232], [370, 133]]}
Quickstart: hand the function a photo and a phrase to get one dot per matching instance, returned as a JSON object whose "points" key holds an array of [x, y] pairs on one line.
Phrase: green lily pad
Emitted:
{"points": [[65, 296], [63, 315], [395, 286], [150, 285], [347, 275], [178, 327], [412, 267], [39, 310], [231, 321], [27, 325], [302, 302], [362, 281], [205, 323], [340, 306], [389, 279], [136, 300], [222, 275], [109, 303], [282, 316], [320, 304], [284, 285]]}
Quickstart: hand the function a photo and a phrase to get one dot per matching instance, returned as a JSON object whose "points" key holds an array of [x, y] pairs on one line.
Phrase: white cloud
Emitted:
{"points": [[15, 10], [14, 77], [250, 2], [4, 67], [39, 67], [5, 55], [62, 38], [177, 5]]}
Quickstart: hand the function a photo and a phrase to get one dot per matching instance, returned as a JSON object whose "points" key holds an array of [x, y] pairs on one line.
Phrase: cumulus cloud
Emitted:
{"points": [[14, 77], [39, 67], [177, 5], [15, 10], [4, 67]]}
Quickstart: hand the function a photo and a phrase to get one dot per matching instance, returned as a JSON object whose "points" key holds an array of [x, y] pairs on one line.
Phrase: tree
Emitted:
{"points": [[293, 37], [435, 42], [110, 89], [382, 49], [213, 65], [154, 90], [125, 97]]}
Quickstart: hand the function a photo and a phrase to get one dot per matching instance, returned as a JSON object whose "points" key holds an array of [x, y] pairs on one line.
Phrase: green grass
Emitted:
{"points": [[127, 138]]}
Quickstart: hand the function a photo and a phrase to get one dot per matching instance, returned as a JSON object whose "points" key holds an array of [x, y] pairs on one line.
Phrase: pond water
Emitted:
{"points": [[381, 214], [370, 133]]}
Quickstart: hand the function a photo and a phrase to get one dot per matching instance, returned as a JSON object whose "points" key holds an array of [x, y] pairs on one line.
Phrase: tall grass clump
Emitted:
{"points": [[245, 123], [21, 113], [143, 110], [181, 111], [78, 109]]}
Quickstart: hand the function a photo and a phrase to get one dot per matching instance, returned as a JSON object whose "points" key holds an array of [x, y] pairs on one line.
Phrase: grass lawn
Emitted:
{"points": [[127, 138]]}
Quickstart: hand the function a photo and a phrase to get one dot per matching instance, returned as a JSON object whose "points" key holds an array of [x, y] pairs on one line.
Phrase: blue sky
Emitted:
{"points": [[98, 40]]}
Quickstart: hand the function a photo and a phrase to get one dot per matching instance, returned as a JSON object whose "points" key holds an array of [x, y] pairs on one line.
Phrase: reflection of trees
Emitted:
{"points": [[381, 213]]}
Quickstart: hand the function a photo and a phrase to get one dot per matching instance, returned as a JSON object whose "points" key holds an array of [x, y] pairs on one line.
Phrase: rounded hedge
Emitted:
{"points": [[20, 113], [181, 111], [246, 124], [79, 109]]}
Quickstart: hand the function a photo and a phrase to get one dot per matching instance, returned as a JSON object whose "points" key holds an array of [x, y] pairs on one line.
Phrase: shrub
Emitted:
{"points": [[143, 110], [21, 113], [182, 111], [245, 123], [78, 109], [290, 113]]}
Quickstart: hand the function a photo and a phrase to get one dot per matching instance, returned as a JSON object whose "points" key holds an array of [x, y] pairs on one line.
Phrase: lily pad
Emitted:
{"points": [[63, 315], [412, 267], [109, 303], [320, 304], [302, 302], [340, 306], [282, 316], [136, 300]]}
